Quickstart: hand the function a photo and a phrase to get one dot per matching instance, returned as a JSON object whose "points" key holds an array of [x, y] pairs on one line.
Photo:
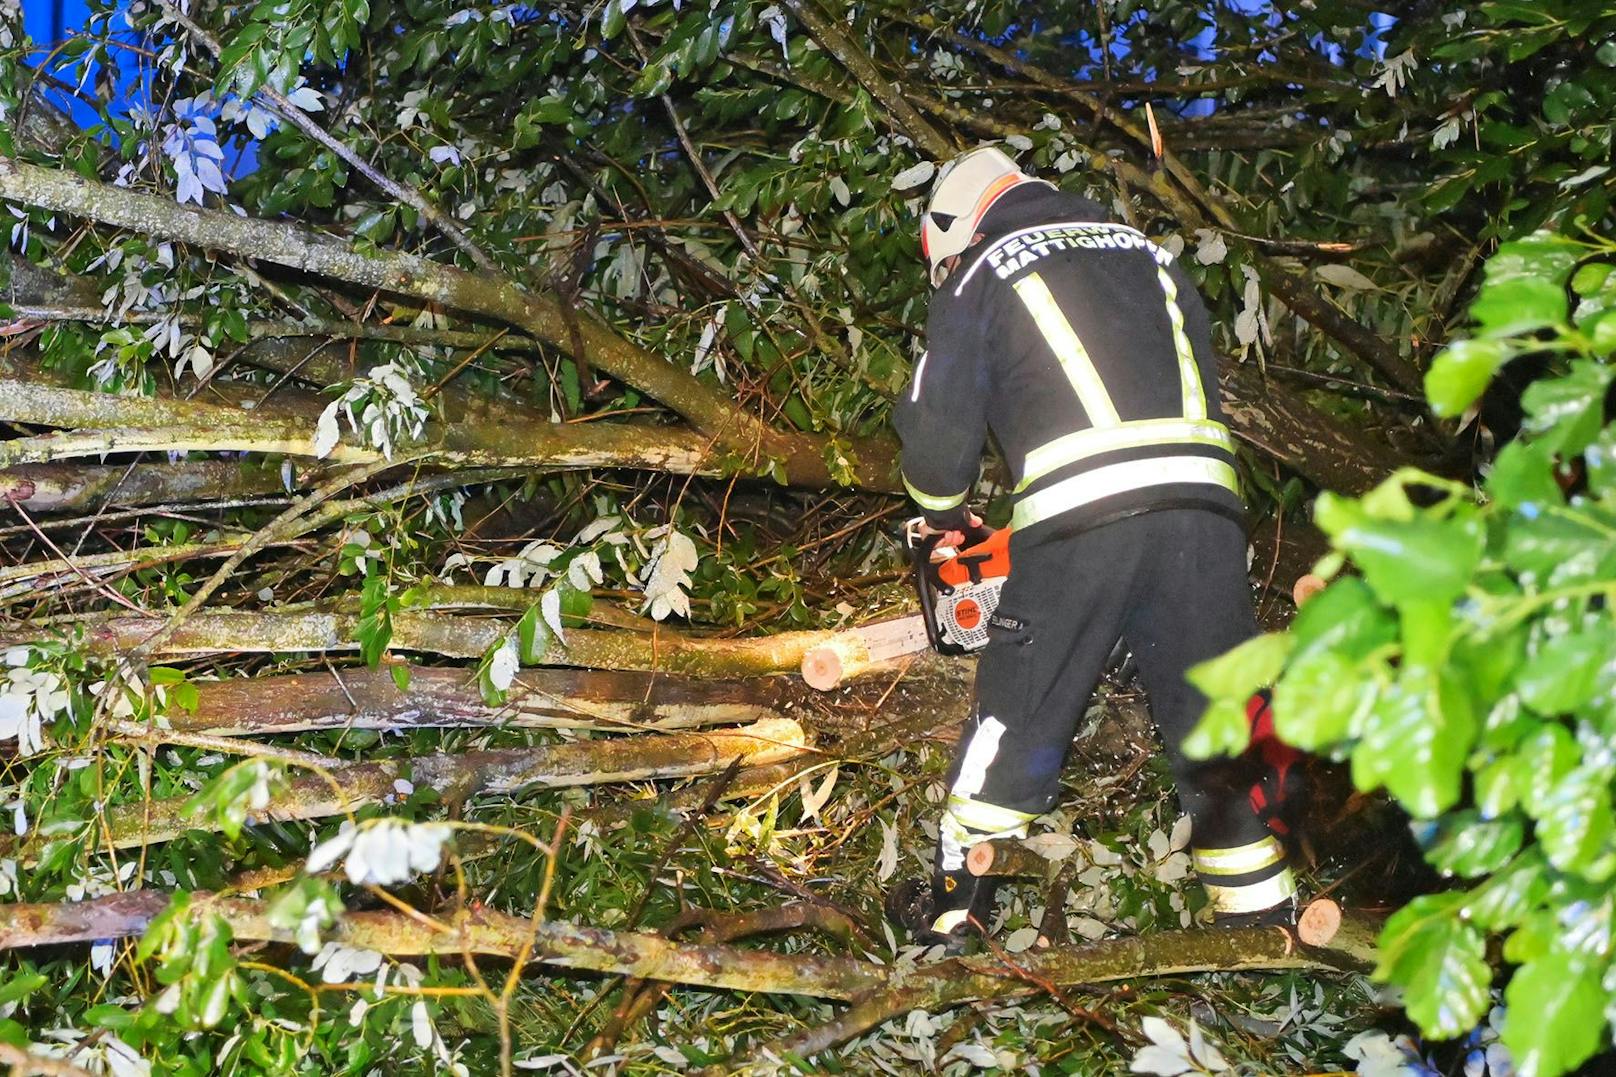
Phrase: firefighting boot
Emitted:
{"points": [[942, 913]]}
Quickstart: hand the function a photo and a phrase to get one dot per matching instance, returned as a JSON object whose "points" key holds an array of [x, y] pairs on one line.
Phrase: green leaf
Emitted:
{"points": [[1469, 846], [108, 1016], [1496, 791], [401, 677], [1568, 412], [1542, 761], [1600, 458], [1564, 673], [611, 23], [1415, 742], [1460, 373], [1506, 899], [1564, 100], [1559, 547], [1519, 306], [21, 986], [1425, 558], [375, 628], [1439, 960], [1554, 1016], [1343, 618], [1523, 473], [1236, 675], [1223, 730], [1575, 826], [1322, 700]]}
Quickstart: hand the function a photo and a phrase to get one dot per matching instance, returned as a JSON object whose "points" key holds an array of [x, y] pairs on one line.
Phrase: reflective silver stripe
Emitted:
{"points": [[1103, 482], [980, 815], [1068, 349], [920, 372], [1253, 897], [1132, 434], [1238, 860], [935, 504], [1189, 374]]}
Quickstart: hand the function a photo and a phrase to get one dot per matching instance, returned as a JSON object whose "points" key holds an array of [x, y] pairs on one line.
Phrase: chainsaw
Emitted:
{"points": [[959, 588]]}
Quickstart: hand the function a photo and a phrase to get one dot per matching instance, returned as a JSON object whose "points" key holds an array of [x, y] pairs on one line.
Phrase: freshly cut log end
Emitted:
{"points": [[979, 861], [822, 668], [1005, 857], [1306, 587], [1319, 922]]}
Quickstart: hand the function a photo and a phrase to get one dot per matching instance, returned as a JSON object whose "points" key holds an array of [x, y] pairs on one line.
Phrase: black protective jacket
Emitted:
{"points": [[1086, 351]]}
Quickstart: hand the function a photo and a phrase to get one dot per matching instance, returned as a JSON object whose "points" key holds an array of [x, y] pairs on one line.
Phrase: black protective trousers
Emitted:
{"points": [[1172, 583]]}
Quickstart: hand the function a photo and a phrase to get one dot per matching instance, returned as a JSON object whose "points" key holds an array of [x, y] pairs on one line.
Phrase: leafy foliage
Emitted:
{"points": [[712, 183], [1468, 669]]}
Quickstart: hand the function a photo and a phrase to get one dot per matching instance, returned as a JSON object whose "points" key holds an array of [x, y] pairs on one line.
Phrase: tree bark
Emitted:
{"points": [[59, 487], [878, 991], [1279, 421], [347, 787], [222, 632], [543, 699]]}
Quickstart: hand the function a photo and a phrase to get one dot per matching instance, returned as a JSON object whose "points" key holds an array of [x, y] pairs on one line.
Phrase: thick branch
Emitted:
{"points": [[103, 423], [347, 787], [850, 55], [56, 487], [481, 931], [541, 316], [450, 636], [650, 957], [1280, 422], [552, 698]]}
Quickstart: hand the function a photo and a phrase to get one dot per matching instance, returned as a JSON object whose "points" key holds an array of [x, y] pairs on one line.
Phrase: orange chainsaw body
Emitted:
{"points": [[960, 591]]}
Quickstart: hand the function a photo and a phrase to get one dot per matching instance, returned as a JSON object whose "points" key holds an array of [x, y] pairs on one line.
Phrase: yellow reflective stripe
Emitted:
{"points": [[1253, 897], [950, 919], [1068, 348], [1132, 434], [982, 816], [1238, 860], [1103, 482], [1189, 375], [935, 504]]}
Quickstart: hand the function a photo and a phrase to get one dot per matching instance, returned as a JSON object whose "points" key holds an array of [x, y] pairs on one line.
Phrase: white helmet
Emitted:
{"points": [[966, 189]]}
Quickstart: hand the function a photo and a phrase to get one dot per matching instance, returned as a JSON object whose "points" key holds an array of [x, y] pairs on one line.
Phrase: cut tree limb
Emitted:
{"points": [[347, 787], [451, 636], [551, 698], [639, 954]]}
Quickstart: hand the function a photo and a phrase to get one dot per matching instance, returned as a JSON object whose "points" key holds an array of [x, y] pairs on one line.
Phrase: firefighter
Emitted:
{"points": [[1086, 352]]}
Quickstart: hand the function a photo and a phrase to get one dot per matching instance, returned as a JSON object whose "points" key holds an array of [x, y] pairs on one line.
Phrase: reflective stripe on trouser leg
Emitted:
{"points": [[1245, 878], [965, 823]]}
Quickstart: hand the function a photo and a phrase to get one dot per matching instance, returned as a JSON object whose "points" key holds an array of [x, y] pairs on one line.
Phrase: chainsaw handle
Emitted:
{"points": [[974, 535]]}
